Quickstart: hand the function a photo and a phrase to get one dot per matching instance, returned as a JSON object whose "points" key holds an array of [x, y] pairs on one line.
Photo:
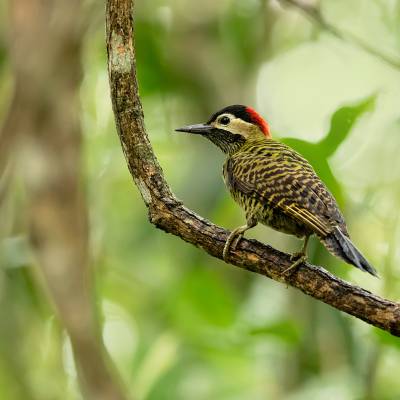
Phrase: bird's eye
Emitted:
{"points": [[224, 120]]}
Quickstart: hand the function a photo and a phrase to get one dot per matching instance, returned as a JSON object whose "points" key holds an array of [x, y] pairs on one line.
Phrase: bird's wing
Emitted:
{"points": [[283, 179]]}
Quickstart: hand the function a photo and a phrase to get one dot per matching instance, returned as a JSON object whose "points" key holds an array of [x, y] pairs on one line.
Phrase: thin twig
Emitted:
{"points": [[315, 16], [169, 214]]}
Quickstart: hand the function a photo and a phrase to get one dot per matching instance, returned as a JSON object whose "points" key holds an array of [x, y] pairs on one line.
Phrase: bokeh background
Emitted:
{"points": [[177, 323]]}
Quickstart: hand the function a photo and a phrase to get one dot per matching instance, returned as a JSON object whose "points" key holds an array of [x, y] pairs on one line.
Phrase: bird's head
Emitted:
{"points": [[231, 127]]}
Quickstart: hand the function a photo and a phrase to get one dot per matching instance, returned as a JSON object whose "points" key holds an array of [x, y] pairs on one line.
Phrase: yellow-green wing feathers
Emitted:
{"points": [[280, 178]]}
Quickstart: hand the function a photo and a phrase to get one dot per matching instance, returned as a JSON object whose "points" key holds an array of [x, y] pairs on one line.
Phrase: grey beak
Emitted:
{"points": [[198, 128]]}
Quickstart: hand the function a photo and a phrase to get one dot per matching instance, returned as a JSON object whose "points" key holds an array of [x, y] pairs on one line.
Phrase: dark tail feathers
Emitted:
{"points": [[340, 245]]}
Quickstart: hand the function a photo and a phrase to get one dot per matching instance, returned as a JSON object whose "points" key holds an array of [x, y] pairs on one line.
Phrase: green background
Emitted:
{"points": [[178, 323]]}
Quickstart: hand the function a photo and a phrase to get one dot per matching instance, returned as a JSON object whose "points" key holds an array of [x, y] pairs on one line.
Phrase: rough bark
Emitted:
{"points": [[169, 214]]}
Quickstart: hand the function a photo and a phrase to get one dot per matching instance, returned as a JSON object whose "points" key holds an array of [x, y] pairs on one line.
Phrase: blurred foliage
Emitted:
{"points": [[178, 323], [318, 153]]}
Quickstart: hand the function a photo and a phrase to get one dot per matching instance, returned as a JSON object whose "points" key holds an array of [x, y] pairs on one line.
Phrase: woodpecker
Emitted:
{"points": [[275, 186]]}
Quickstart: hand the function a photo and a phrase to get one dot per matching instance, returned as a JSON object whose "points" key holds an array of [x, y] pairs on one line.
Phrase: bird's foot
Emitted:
{"points": [[296, 255], [299, 257], [235, 236], [230, 245]]}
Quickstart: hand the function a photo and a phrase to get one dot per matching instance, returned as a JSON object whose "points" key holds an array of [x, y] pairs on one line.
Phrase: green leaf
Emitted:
{"points": [[342, 121], [317, 154]]}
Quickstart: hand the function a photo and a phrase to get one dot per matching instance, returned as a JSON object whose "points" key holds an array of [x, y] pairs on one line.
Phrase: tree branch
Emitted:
{"points": [[314, 14], [169, 214]]}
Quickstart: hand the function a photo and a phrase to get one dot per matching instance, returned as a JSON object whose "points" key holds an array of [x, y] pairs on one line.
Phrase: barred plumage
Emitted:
{"points": [[275, 185], [289, 196]]}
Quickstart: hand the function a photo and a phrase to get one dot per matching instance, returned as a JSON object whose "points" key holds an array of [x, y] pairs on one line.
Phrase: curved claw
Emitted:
{"points": [[231, 243], [235, 236], [297, 255], [236, 241], [302, 258]]}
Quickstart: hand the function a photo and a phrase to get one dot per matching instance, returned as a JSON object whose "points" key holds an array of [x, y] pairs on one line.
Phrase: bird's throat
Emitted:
{"points": [[229, 143]]}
